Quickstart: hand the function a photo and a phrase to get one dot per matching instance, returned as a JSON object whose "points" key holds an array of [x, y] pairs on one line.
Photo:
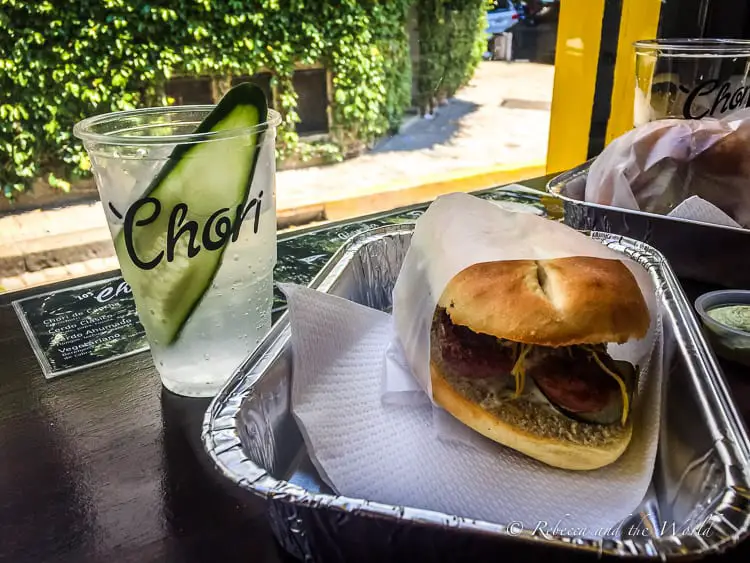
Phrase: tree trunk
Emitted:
{"points": [[220, 85]]}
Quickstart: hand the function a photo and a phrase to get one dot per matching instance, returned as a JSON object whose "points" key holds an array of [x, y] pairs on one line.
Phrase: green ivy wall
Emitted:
{"points": [[452, 40], [61, 61]]}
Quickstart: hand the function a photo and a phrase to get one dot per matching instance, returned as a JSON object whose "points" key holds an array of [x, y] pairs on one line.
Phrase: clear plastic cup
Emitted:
{"points": [[198, 248], [690, 78]]}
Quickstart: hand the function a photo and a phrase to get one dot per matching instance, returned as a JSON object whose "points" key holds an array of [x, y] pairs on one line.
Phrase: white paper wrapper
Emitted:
{"points": [[661, 164], [373, 437], [459, 230], [697, 209]]}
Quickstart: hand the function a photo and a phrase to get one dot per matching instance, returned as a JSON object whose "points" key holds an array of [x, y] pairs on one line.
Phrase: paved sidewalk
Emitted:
{"points": [[485, 126], [494, 131]]}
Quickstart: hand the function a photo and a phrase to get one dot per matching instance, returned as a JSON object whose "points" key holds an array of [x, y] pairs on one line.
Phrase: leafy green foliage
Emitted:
{"points": [[452, 41], [63, 61], [393, 47]]}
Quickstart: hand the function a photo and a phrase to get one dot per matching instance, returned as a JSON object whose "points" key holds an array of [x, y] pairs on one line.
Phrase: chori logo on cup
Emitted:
{"points": [[217, 231], [725, 98]]}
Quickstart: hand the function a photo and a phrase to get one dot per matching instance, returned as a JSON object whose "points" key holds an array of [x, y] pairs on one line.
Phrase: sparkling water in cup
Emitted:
{"points": [[193, 219], [690, 78]]}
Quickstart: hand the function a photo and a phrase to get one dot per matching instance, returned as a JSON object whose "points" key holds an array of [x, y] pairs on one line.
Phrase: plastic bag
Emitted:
{"points": [[659, 165]]}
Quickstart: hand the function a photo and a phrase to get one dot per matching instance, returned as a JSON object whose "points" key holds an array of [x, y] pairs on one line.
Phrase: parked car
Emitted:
{"points": [[501, 17], [530, 10]]}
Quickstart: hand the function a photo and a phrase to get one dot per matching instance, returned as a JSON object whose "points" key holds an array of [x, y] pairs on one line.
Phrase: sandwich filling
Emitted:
{"points": [[582, 381]]}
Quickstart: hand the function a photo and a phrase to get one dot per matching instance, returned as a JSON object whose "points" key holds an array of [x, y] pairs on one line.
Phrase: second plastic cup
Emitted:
{"points": [[690, 78]]}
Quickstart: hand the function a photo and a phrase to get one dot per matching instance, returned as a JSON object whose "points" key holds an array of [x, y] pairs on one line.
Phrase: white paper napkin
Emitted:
{"points": [[387, 453], [698, 209]]}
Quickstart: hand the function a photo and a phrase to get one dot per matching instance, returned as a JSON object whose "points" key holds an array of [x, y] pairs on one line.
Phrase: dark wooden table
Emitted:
{"points": [[104, 465]]}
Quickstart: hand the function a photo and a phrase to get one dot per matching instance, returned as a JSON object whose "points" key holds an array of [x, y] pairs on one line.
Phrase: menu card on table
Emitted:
{"points": [[82, 326]]}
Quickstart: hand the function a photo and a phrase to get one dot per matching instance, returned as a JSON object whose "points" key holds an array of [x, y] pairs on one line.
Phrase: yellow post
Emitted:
{"points": [[640, 20], [577, 54]]}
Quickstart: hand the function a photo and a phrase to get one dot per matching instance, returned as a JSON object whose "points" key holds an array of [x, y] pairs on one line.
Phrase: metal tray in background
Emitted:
{"points": [[700, 476], [698, 251]]}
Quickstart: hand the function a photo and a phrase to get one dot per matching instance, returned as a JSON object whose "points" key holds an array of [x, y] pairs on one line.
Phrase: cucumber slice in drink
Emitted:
{"points": [[173, 239]]}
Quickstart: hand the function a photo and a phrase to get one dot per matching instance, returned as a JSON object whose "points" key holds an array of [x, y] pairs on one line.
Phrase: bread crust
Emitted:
{"points": [[525, 427], [559, 302]]}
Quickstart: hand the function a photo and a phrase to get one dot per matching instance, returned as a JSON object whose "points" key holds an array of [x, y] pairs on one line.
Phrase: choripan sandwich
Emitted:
{"points": [[518, 352]]}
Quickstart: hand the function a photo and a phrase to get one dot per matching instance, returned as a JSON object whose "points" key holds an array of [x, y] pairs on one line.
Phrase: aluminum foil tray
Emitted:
{"points": [[698, 502], [695, 250]]}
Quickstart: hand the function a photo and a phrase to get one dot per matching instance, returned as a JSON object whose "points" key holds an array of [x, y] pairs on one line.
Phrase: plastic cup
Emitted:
{"points": [[690, 78], [199, 250]]}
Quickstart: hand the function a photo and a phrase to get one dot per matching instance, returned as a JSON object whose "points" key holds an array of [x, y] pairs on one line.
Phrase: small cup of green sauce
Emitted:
{"points": [[733, 316], [726, 318]]}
